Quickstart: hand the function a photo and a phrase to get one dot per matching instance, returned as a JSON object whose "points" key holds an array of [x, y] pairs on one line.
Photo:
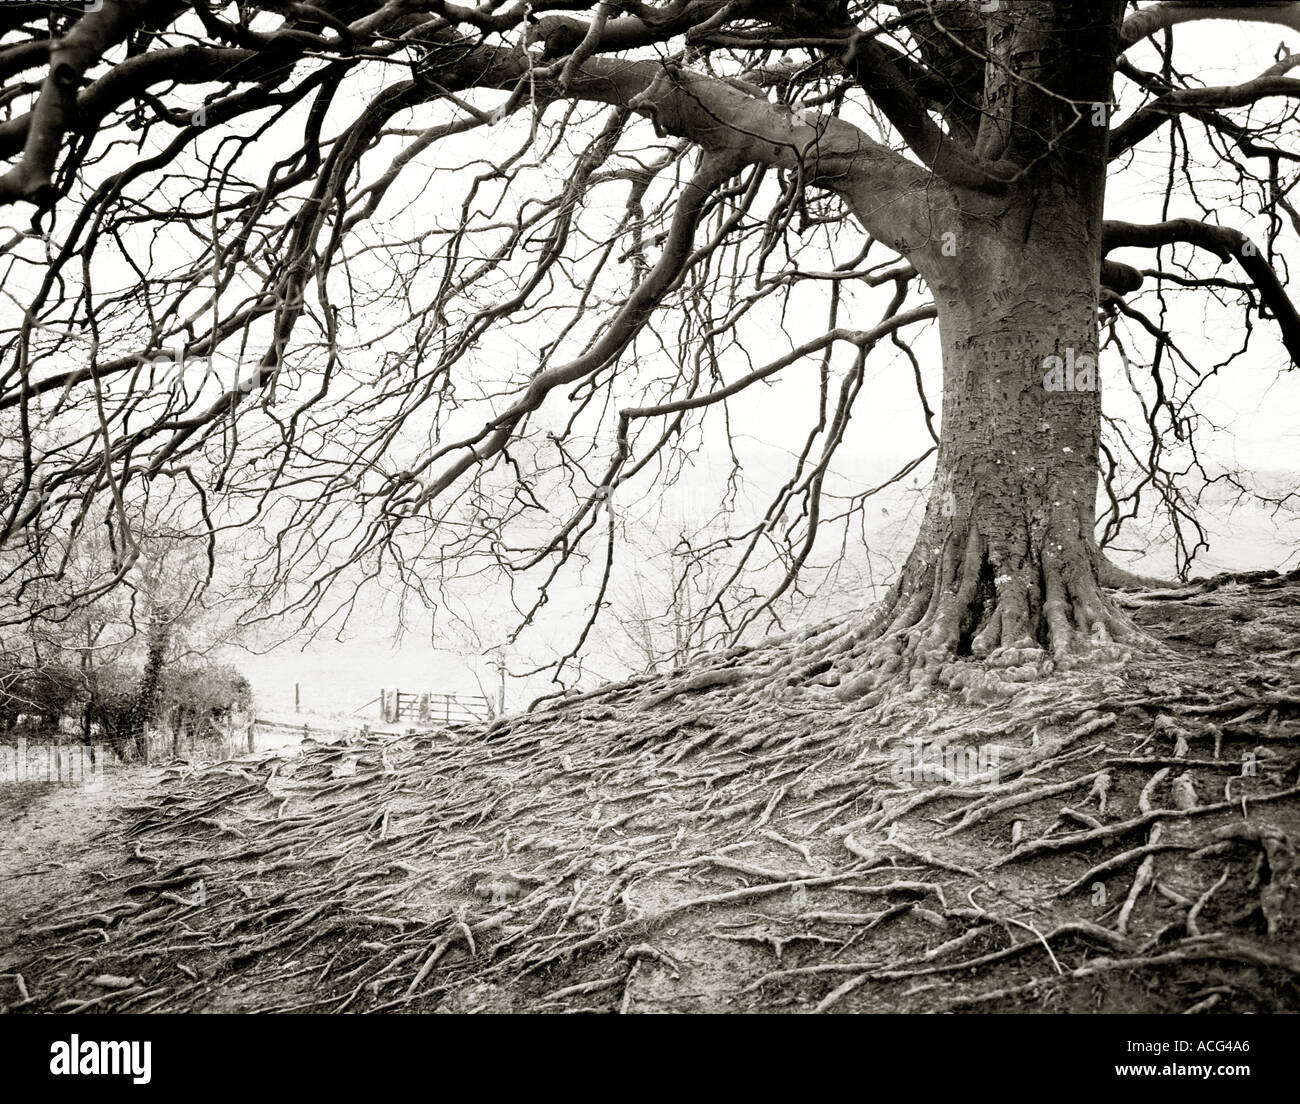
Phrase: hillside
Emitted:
{"points": [[736, 838]]}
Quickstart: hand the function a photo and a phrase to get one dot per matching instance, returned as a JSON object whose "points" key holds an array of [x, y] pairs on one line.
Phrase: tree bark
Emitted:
{"points": [[1006, 568], [147, 698]]}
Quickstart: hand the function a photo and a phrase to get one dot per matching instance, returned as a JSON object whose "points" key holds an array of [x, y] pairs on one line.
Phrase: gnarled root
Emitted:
{"points": [[967, 620]]}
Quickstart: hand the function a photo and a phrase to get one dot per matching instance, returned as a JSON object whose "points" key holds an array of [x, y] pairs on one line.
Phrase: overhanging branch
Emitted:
{"points": [[1225, 244], [56, 105], [1156, 17], [1201, 101]]}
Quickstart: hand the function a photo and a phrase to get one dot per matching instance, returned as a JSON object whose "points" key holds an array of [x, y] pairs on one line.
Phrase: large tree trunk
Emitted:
{"points": [[1006, 569]]}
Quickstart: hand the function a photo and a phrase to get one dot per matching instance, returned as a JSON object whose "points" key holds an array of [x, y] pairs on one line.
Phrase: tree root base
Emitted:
{"points": [[885, 672], [674, 844]]}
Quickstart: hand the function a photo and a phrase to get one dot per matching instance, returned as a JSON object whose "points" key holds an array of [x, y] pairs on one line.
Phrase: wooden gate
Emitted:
{"points": [[398, 706]]}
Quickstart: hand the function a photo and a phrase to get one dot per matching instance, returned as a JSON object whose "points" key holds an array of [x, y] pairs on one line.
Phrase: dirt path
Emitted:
{"points": [[54, 839]]}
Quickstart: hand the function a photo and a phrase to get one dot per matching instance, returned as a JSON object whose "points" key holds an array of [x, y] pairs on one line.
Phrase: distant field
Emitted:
{"points": [[344, 679]]}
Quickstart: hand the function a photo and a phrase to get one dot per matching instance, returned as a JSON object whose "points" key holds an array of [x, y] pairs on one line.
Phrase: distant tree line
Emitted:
{"points": [[119, 704], [123, 665]]}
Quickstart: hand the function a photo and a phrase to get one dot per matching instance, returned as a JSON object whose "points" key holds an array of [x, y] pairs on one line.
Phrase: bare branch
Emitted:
{"points": [[1224, 243]]}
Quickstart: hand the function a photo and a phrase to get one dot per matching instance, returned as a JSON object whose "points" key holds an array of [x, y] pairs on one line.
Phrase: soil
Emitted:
{"points": [[54, 839], [730, 837]]}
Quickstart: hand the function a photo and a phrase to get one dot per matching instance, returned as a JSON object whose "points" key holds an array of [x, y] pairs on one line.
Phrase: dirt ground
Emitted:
{"points": [[54, 839], [733, 837]]}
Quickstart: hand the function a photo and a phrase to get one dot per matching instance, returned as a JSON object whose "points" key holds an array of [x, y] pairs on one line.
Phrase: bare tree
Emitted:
{"points": [[370, 381], [668, 605], [657, 609], [107, 654]]}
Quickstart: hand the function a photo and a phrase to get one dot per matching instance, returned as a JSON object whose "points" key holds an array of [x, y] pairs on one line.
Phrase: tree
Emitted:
{"points": [[115, 657], [754, 144], [195, 698], [667, 607]]}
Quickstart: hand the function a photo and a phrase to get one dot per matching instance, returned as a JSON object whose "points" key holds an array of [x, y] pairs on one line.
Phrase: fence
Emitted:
{"points": [[302, 731], [396, 706], [233, 737], [229, 740], [213, 740]]}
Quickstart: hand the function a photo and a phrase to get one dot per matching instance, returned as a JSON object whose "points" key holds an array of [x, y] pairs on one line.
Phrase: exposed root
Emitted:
{"points": [[621, 855], [967, 624], [1113, 577]]}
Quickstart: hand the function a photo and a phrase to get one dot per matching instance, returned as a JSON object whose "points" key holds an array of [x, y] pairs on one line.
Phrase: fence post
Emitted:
{"points": [[297, 699], [252, 739]]}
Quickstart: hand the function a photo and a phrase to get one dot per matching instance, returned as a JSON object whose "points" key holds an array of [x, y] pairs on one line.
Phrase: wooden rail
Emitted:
{"points": [[395, 707], [302, 731], [427, 707], [306, 730]]}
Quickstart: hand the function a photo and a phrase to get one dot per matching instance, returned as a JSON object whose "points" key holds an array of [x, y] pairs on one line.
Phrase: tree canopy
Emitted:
{"points": [[383, 294]]}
